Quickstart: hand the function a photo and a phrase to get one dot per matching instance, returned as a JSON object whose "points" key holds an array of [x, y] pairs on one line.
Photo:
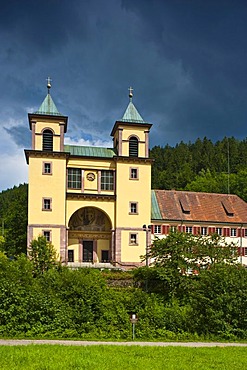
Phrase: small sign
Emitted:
{"points": [[133, 318]]}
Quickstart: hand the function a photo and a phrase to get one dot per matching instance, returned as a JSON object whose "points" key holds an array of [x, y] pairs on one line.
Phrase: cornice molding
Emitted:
{"points": [[44, 154], [97, 196]]}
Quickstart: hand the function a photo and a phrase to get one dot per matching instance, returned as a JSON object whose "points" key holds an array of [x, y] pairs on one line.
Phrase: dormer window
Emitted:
{"points": [[184, 205], [133, 147], [47, 140], [227, 207]]}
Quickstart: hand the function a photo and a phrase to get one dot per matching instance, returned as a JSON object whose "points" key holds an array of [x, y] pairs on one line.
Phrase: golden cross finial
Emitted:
{"points": [[48, 83], [131, 92]]}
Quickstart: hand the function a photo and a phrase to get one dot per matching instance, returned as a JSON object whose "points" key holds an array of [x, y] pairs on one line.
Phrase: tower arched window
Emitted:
{"points": [[133, 147], [47, 140]]}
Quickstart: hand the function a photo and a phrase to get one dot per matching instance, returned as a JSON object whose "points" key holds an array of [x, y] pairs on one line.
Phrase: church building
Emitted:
{"points": [[90, 202], [95, 204]]}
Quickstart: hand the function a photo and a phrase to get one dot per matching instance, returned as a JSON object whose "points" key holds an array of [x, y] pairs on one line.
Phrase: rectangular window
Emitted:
{"points": [[107, 180], [134, 173], [204, 230], [157, 229], [218, 230], [47, 235], [233, 232], [46, 206], [245, 232], [133, 239], [74, 178], [105, 256], [70, 255], [173, 229], [189, 229], [245, 251], [133, 208], [47, 169]]}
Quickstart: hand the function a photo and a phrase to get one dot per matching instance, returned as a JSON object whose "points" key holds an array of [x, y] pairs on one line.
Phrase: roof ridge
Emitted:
{"points": [[89, 146], [197, 192]]}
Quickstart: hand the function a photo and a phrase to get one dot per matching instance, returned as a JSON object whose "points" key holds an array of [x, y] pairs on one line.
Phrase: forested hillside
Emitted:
{"points": [[13, 218], [202, 166]]}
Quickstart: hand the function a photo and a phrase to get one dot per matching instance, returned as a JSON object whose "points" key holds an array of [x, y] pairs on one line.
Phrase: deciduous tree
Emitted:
{"points": [[42, 255]]}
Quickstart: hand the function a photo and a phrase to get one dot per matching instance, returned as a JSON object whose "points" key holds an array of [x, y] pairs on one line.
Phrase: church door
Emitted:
{"points": [[87, 251]]}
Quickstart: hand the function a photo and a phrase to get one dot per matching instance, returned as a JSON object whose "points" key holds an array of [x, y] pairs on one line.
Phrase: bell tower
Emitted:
{"points": [[131, 133], [47, 175], [133, 183], [48, 126]]}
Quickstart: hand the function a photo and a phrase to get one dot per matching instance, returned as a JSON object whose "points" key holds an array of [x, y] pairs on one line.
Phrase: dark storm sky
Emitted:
{"points": [[186, 61]]}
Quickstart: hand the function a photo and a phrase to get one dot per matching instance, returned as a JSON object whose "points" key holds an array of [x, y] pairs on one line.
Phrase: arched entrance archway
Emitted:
{"points": [[89, 236]]}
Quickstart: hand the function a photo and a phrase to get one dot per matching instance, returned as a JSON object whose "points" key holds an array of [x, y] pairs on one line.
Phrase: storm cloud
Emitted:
{"points": [[185, 59]]}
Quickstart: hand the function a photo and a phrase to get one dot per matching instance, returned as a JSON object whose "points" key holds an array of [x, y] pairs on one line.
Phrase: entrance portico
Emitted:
{"points": [[89, 236]]}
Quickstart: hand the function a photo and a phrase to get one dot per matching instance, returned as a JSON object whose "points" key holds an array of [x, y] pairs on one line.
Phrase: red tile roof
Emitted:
{"points": [[193, 206]]}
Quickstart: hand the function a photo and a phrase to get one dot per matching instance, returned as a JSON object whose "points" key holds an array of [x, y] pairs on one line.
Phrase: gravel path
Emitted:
{"points": [[25, 342]]}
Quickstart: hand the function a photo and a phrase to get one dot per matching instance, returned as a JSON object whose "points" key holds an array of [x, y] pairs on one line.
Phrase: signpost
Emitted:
{"points": [[133, 320]]}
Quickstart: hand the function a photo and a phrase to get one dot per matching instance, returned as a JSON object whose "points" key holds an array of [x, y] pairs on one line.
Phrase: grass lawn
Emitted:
{"points": [[46, 357]]}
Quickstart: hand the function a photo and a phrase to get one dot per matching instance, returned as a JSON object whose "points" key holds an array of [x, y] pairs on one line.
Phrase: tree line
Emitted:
{"points": [[13, 220], [219, 167]]}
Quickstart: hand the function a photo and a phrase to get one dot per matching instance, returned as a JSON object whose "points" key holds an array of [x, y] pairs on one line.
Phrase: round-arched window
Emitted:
{"points": [[47, 140], [133, 147]]}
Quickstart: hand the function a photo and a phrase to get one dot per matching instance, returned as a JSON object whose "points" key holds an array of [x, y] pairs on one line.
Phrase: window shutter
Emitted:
{"points": [[196, 230], [181, 228], [238, 232], [226, 231], [212, 230], [165, 229], [152, 229], [239, 251]]}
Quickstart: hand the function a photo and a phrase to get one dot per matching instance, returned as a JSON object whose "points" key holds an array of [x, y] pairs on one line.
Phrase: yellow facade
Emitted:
{"points": [[90, 203]]}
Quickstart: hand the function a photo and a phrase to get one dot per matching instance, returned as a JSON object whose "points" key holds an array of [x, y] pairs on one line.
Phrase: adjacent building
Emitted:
{"points": [[201, 214]]}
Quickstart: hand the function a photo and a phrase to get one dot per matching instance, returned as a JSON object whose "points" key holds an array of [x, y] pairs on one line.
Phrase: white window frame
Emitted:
{"points": [[107, 180], [71, 183], [157, 229], [218, 231], [233, 232], [188, 229]]}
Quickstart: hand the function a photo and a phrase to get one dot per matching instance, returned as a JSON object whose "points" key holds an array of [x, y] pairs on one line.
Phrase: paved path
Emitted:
{"points": [[25, 342]]}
